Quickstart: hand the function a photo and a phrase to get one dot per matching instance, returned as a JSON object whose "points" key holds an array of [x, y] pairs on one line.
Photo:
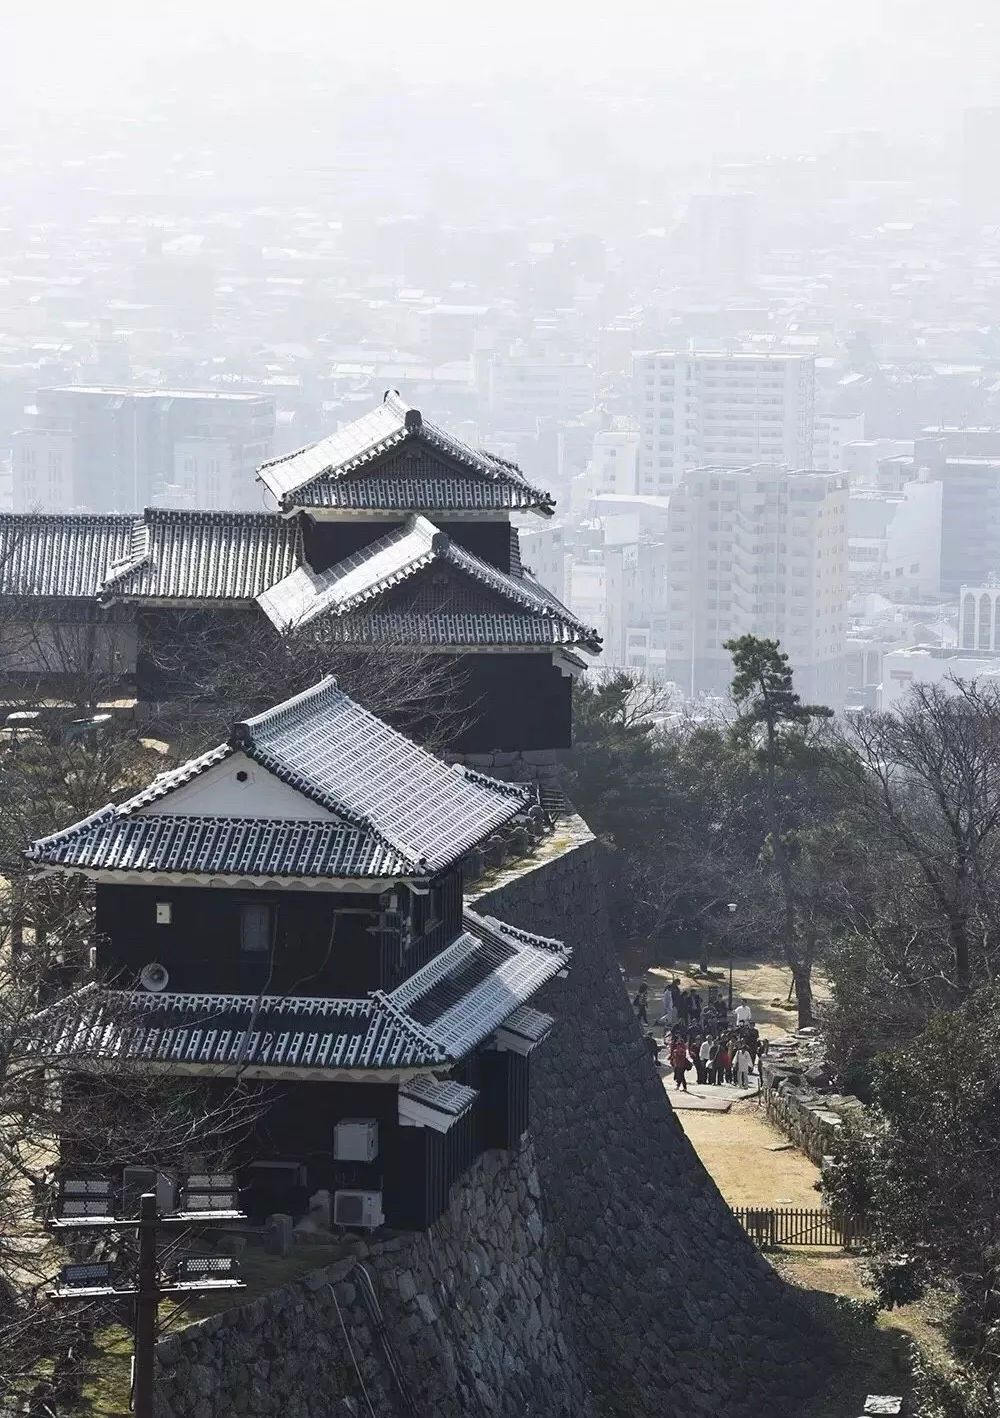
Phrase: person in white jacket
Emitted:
{"points": [[742, 1064], [704, 1058]]}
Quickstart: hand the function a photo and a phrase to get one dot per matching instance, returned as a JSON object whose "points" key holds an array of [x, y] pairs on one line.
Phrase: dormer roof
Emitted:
{"points": [[391, 459], [358, 800], [524, 612]]}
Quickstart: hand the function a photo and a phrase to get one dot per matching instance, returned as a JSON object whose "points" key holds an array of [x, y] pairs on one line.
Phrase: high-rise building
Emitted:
{"points": [[831, 434], [970, 503], [99, 448], [762, 551], [613, 462], [894, 540], [722, 410]]}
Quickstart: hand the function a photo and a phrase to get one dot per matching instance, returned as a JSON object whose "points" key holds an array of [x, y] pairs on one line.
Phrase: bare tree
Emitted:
{"points": [[930, 794], [214, 670]]}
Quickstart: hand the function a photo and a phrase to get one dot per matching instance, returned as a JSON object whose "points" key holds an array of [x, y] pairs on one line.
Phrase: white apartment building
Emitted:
{"points": [[614, 460], [721, 410], [929, 664], [102, 448], [523, 390], [758, 550], [894, 540], [860, 459], [979, 617], [543, 551], [831, 432]]}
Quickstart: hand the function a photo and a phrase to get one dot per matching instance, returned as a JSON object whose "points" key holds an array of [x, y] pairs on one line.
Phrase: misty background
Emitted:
{"points": [[226, 229]]}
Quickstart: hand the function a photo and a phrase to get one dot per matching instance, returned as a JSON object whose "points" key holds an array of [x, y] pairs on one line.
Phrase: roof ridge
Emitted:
{"points": [[241, 732], [35, 849], [385, 1002], [220, 515], [139, 552]]}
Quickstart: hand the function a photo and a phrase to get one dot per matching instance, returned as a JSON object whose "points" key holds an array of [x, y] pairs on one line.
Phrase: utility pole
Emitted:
{"points": [[147, 1302], [87, 1205]]}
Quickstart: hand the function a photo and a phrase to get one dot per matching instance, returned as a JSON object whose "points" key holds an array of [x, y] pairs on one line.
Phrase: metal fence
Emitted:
{"points": [[801, 1226]]}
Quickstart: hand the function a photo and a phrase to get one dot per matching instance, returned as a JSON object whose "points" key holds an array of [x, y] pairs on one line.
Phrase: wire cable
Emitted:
{"points": [[350, 1350]]}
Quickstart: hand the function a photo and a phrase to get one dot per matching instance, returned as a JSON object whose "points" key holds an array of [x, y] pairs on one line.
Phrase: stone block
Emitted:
{"points": [[279, 1235], [321, 1208]]}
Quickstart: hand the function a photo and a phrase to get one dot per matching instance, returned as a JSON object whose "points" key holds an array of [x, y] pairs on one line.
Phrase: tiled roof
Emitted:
{"points": [[455, 631], [62, 556], [527, 1024], [441, 1095], [435, 1018], [395, 809], [307, 478], [411, 491], [216, 846], [304, 594], [216, 556]]}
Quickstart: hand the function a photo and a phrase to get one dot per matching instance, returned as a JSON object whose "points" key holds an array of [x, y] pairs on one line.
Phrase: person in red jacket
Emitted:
{"points": [[679, 1063]]}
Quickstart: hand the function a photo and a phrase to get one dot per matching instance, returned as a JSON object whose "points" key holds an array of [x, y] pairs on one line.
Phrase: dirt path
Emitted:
{"points": [[751, 1163]]}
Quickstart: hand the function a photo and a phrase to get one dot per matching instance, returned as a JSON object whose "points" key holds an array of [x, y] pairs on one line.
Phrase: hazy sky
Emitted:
{"points": [[872, 55]]}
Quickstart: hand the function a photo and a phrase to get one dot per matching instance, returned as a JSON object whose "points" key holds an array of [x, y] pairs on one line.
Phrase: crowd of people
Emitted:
{"points": [[720, 1045]]}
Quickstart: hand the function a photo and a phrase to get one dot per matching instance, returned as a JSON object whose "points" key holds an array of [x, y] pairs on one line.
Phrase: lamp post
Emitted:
{"points": [[731, 907]]}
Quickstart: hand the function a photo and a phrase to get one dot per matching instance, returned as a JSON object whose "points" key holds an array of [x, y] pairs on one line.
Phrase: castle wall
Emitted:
{"points": [[674, 1311], [475, 1309], [597, 1272]]}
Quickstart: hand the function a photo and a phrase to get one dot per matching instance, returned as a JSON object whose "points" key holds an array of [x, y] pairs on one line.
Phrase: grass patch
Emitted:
{"points": [[106, 1391]]}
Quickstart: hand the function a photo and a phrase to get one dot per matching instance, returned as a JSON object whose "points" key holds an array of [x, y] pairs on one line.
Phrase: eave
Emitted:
{"points": [[264, 1072], [115, 877]]}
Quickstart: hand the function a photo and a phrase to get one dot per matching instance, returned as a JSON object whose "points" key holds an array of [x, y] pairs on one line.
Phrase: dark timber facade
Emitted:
{"points": [[288, 908]]}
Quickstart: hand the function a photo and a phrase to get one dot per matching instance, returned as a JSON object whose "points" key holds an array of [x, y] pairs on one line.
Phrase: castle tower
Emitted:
{"points": [[288, 907], [407, 541]]}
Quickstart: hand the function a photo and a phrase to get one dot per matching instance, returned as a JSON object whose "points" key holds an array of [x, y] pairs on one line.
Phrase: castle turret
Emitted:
{"points": [[287, 907]]}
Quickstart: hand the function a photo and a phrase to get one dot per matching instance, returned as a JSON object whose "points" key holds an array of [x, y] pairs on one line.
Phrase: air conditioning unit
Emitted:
{"points": [[361, 1209], [356, 1140], [138, 1180]]}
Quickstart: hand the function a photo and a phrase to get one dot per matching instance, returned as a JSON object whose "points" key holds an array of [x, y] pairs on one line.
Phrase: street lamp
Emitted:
{"points": [[731, 908]]}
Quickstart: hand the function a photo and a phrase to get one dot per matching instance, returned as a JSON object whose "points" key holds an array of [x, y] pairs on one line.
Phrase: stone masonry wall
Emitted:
{"points": [[674, 1311], [475, 1309], [540, 765], [610, 1280], [809, 1118]]}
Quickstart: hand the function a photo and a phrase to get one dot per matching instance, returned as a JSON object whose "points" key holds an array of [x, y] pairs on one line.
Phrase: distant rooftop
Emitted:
{"points": [[753, 356], [122, 391]]}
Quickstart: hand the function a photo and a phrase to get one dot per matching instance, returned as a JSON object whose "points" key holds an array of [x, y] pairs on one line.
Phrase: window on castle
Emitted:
{"points": [[256, 936]]}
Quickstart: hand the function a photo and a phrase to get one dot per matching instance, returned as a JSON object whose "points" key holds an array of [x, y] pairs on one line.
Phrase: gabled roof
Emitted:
{"points": [[446, 473], [60, 556], [395, 810], [211, 556], [435, 1018], [305, 594]]}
